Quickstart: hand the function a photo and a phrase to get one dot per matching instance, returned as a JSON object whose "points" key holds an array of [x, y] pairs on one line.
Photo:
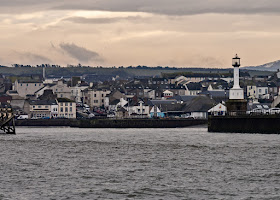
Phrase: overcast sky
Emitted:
{"points": [[180, 33]]}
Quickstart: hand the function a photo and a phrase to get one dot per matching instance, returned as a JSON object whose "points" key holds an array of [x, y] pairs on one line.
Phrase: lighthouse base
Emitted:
{"points": [[236, 93], [239, 105]]}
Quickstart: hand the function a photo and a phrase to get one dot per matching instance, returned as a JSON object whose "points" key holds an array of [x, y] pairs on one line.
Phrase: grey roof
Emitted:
{"points": [[161, 102], [199, 104], [194, 86], [42, 102], [183, 98], [64, 100], [216, 93], [264, 106], [30, 81]]}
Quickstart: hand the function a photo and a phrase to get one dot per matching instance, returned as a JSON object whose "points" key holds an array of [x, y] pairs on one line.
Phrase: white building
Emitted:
{"points": [[218, 109], [25, 88], [95, 97], [167, 94], [66, 108], [59, 88], [141, 109], [43, 109], [77, 93], [258, 91]]}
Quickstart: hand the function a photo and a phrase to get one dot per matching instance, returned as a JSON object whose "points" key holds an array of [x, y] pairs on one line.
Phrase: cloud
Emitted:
{"points": [[167, 7], [84, 20], [178, 7], [29, 58], [80, 53]]}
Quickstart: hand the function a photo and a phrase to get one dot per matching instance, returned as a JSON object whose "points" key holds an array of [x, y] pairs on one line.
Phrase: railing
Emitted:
{"points": [[246, 113]]}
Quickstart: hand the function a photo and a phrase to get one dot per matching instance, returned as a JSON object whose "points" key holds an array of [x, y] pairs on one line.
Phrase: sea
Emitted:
{"points": [[178, 163]]}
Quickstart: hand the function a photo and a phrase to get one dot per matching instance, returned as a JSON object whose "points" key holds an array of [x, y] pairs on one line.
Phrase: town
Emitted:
{"points": [[171, 95]]}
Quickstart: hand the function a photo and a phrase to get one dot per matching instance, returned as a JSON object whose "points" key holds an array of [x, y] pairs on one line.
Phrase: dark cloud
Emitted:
{"points": [[80, 53], [168, 7], [83, 20], [179, 7]]}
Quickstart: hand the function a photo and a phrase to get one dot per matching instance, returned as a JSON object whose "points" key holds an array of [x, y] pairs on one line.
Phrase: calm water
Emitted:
{"points": [[185, 163]]}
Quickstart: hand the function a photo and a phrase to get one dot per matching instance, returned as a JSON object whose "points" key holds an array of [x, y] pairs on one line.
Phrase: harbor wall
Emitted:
{"points": [[245, 124], [139, 123], [113, 123]]}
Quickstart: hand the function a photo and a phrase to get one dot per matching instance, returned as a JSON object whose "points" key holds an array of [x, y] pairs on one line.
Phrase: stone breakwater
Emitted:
{"points": [[113, 123], [265, 124]]}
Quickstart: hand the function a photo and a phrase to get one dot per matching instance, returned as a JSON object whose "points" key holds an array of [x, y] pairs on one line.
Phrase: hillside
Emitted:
{"points": [[272, 66]]}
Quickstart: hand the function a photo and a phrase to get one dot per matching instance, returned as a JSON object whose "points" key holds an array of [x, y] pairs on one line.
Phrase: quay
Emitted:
{"points": [[113, 123], [264, 124]]}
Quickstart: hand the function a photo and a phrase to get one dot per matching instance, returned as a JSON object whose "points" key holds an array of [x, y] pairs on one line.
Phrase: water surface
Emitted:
{"points": [[183, 163]]}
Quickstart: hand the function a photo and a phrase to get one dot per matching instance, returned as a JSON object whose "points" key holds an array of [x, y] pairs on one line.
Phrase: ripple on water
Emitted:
{"points": [[187, 163]]}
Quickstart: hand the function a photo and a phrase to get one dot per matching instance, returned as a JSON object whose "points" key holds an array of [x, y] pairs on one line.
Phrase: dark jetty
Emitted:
{"points": [[265, 124], [113, 123]]}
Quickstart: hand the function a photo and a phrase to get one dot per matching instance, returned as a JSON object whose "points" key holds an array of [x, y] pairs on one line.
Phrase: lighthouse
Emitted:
{"points": [[236, 92]]}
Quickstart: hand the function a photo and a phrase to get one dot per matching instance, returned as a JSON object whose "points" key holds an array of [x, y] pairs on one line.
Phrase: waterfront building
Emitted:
{"points": [[66, 108], [258, 91], [95, 97], [43, 109]]}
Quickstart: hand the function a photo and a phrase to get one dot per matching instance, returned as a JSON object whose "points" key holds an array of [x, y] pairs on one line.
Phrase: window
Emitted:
{"points": [[70, 104], [35, 84], [61, 95], [20, 84], [66, 109], [61, 104], [102, 100], [70, 109], [94, 95], [102, 95], [33, 106], [61, 109], [39, 106], [66, 104], [95, 101], [46, 106]]}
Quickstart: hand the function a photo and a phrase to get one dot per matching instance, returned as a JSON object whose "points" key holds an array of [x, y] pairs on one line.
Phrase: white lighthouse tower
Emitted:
{"points": [[236, 92]]}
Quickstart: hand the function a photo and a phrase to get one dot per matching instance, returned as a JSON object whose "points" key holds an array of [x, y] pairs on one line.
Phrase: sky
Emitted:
{"points": [[175, 33]]}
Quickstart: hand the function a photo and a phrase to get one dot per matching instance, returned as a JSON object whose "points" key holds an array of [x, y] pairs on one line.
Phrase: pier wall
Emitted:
{"points": [[139, 123], [113, 123], [245, 124]]}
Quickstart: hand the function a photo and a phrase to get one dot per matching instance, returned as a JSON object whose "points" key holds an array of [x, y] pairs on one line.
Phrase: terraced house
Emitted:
{"points": [[66, 108]]}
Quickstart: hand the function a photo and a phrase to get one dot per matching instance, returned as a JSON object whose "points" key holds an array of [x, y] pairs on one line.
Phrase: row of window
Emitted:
{"points": [[96, 101], [66, 109], [40, 115], [66, 115], [102, 95], [66, 104], [27, 84], [41, 106]]}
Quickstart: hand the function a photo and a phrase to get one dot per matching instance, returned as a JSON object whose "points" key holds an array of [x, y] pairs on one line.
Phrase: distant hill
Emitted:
{"points": [[272, 66]]}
